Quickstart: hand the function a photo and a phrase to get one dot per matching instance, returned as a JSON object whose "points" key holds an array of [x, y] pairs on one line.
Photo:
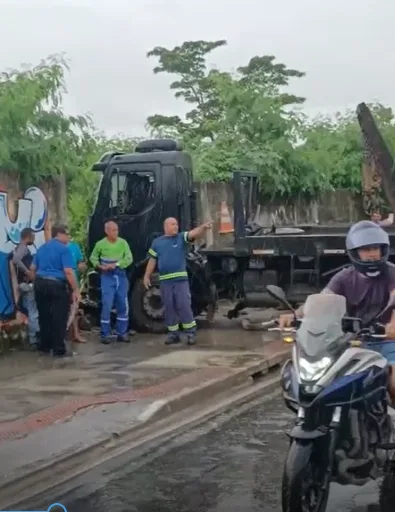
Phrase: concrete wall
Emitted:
{"points": [[36, 207], [45, 203], [331, 207]]}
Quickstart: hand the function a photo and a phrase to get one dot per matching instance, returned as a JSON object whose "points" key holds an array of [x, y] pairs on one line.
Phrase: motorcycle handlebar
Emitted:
{"points": [[284, 329], [350, 325]]}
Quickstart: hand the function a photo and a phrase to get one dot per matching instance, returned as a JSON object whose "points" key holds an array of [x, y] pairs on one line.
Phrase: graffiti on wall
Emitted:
{"points": [[31, 212]]}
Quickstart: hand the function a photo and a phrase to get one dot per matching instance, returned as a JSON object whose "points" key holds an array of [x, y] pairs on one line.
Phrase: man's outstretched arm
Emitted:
{"points": [[198, 232]]}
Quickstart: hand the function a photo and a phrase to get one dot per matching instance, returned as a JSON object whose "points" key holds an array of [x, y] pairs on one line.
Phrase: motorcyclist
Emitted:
{"points": [[367, 285]]}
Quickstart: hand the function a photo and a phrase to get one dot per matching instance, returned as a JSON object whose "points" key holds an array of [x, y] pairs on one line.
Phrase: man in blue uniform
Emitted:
{"points": [[169, 253], [54, 269]]}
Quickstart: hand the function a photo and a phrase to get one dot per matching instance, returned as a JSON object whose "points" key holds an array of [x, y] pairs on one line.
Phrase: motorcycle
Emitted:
{"points": [[336, 385]]}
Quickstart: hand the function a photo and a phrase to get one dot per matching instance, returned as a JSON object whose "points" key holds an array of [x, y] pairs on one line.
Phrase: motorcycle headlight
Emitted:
{"points": [[312, 371]]}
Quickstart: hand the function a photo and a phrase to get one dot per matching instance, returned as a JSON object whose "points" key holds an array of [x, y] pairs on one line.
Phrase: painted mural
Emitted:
{"points": [[31, 212]]}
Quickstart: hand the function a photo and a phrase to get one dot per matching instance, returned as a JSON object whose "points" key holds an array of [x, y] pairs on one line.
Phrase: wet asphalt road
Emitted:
{"points": [[231, 464]]}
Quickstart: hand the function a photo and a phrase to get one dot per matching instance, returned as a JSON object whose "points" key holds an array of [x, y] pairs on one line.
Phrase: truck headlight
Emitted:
{"points": [[312, 371]]}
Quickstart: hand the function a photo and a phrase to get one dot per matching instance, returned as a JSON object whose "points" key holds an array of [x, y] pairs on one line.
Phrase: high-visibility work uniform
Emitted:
{"points": [[114, 283], [170, 253]]}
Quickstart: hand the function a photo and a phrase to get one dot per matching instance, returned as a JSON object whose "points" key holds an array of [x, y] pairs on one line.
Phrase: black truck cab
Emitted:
{"points": [[139, 191]]}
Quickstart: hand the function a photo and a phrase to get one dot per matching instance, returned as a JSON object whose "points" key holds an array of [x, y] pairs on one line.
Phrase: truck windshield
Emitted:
{"points": [[131, 192]]}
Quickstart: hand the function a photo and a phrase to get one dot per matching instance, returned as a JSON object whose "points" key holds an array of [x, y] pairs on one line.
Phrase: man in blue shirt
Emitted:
{"points": [[53, 267], [168, 252]]}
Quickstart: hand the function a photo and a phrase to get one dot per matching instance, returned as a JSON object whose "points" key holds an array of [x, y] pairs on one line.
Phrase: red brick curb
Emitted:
{"points": [[65, 410]]}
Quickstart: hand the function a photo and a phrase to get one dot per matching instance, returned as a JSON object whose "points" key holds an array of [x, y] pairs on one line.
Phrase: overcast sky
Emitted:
{"points": [[345, 47]]}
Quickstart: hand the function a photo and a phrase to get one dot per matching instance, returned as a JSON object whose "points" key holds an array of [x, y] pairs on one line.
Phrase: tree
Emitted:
{"points": [[240, 119], [333, 149], [332, 152], [268, 77], [254, 132], [36, 138], [188, 63], [385, 120]]}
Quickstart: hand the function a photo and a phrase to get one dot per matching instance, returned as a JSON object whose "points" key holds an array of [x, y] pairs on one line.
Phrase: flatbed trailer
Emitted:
{"points": [[299, 258]]}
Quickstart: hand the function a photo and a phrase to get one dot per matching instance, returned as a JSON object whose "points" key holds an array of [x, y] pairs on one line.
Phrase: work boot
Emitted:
{"points": [[122, 339], [173, 339], [191, 339], [106, 340]]}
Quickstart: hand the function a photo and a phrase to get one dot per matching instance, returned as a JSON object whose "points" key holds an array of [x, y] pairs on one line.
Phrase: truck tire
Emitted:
{"points": [[147, 308]]}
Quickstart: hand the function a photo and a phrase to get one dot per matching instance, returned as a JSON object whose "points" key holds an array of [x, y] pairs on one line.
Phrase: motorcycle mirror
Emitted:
{"points": [[278, 293]]}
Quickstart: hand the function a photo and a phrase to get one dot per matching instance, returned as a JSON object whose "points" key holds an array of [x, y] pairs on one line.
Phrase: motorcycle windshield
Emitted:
{"points": [[321, 327]]}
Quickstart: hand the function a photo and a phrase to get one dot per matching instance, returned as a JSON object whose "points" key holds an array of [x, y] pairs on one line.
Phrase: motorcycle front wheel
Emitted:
{"points": [[303, 487]]}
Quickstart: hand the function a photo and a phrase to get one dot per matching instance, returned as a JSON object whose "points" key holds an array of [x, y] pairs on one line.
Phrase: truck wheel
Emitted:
{"points": [[147, 308]]}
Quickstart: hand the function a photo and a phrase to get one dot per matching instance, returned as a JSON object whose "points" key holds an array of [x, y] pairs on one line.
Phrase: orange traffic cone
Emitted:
{"points": [[225, 223]]}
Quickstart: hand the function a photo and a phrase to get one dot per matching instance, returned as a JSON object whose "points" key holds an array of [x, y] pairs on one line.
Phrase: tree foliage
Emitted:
{"points": [[250, 119], [247, 118], [332, 152], [242, 119], [333, 147], [40, 141], [36, 137]]}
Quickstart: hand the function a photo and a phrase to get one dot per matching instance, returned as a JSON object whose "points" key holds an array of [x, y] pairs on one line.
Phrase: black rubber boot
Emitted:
{"points": [[173, 339]]}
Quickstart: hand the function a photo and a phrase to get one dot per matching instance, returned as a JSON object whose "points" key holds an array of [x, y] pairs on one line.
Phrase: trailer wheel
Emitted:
{"points": [[147, 308]]}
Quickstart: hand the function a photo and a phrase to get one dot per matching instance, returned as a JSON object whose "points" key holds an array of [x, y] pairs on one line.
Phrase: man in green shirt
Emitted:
{"points": [[111, 256]]}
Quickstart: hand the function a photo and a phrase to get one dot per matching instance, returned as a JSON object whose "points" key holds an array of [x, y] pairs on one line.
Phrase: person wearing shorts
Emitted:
{"points": [[79, 266]]}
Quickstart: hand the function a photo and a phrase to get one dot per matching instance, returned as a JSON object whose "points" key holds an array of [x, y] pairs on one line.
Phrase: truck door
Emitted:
{"points": [[131, 202]]}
